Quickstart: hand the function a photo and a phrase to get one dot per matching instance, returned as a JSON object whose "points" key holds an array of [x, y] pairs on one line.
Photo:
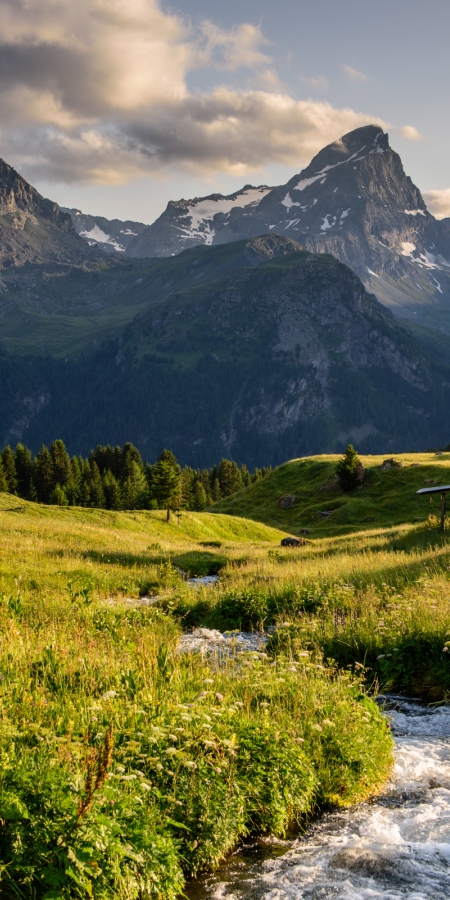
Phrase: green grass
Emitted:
{"points": [[126, 767], [385, 498]]}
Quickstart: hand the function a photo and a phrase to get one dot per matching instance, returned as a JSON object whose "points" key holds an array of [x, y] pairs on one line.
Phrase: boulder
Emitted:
{"points": [[391, 464], [292, 542], [303, 531], [287, 501]]}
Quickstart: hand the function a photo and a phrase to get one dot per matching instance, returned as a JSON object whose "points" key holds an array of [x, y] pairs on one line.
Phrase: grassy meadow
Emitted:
{"points": [[128, 767]]}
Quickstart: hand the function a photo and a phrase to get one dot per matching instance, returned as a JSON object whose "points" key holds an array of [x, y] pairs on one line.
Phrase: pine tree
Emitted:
{"points": [[24, 470], [349, 470], [200, 499], [58, 496], [166, 481], [134, 491], [62, 471], [230, 478], [3, 480], [10, 469], [216, 493], [111, 490], [43, 474], [97, 498]]}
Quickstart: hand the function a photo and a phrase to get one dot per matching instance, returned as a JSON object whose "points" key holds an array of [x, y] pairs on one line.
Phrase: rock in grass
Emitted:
{"points": [[292, 542], [391, 464], [287, 501]]}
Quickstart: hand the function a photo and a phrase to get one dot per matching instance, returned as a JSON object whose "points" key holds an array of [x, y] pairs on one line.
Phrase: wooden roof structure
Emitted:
{"points": [[442, 490]]}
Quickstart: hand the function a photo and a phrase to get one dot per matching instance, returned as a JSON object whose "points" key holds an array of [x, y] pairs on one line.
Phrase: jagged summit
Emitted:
{"points": [[32, 228], [353, 200]]}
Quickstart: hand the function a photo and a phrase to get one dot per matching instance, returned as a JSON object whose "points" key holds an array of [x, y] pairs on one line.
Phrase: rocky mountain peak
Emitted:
{"points": [[16, 194]]}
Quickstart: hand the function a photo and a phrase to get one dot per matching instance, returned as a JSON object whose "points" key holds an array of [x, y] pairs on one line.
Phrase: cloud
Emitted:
{"points": [[353, 74], [409, 133], [236, 48], [97, 91], [317, 82], [438, 202]]}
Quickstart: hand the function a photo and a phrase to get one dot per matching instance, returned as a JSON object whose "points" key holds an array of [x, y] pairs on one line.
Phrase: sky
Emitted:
{"points": [[118, 106]]}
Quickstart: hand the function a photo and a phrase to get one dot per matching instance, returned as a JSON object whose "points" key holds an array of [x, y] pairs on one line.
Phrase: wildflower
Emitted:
{"points": [[158, 767], [171, 751], [139, 773], [190, 764], [218, 770], [317, 727], [173, 737], [145, 786], [445, 649], [381, 656], [129, 777], [120, 769], [219, 697], [208, 680], [109, 695], [202, 694], [329, 723]]}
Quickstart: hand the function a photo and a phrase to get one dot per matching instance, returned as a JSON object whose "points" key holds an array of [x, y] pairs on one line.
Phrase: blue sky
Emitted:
{"points": [[117, 106]]}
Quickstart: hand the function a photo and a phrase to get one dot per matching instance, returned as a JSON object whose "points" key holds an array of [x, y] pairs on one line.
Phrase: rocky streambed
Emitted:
{"points": [[394, 847]]}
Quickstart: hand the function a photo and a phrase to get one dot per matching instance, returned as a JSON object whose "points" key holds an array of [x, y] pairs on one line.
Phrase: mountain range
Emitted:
{"points": [[256, 341], [353, 201]]}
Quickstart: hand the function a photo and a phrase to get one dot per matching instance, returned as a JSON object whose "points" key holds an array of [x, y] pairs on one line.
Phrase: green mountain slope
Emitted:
{"points": [[257, 350], [385, 498]]}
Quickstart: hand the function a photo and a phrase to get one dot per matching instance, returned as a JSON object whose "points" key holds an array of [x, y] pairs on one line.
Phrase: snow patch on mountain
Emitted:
{"points": [[97, 236], [202, 212]]}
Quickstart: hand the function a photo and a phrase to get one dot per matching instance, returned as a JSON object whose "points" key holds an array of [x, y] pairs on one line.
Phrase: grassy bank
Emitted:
{"points": [[126, 767]]}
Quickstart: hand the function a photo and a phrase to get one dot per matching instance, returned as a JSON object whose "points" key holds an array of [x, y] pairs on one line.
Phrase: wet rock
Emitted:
{"points": [[210, 641]]}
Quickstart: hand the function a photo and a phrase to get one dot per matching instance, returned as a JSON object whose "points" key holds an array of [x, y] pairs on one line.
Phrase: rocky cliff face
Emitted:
{"points": [[353, 201], [33, 229]]}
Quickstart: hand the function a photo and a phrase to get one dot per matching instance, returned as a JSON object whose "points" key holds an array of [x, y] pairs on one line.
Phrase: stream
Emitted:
{"points": [[393, 847]]}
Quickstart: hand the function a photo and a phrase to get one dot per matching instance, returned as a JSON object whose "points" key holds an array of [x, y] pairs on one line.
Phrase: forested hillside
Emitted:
{"points": [[117, 478]]}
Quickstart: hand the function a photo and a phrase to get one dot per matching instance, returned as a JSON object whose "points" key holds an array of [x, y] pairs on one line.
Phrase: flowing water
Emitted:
{"points": [[394, 847]]}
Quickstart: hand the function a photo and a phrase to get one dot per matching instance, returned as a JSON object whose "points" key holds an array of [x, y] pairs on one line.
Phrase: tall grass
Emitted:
{"points": [[126, 766]]}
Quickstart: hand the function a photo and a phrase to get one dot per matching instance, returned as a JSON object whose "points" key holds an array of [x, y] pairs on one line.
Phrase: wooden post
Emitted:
{"points": [[443, 511]]}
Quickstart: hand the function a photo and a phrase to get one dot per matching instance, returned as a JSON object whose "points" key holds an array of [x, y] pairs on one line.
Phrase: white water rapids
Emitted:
{"points": [[397, 846]]}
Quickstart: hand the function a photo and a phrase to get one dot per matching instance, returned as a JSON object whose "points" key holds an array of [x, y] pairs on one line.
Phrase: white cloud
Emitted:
{"points": [[410, 133], [354, 74], [233, 49], [97, 92], [438, 202]]}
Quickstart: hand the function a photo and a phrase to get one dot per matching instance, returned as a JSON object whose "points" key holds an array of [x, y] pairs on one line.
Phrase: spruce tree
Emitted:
{"points": [[24, 470], [166, 481], [43, 474], [58, 496], [62, 471], [200, 499], [349, 470], [10, 469], [230, 477], [3, 481], [111, 490]]}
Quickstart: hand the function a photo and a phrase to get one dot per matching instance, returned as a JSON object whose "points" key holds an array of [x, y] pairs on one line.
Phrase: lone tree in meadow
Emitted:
{"points": [[350, 470]]}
